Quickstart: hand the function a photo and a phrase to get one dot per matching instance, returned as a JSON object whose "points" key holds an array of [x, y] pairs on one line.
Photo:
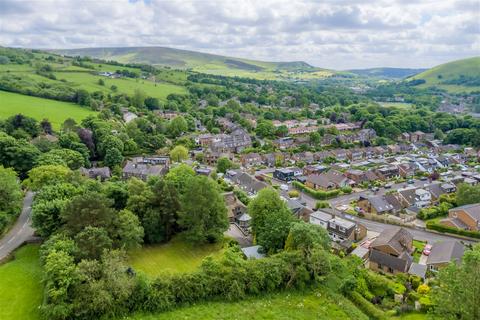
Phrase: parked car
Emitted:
{"points": [[427, 249], [284, 187], [389, 185], [423, 178], [411, 181]]}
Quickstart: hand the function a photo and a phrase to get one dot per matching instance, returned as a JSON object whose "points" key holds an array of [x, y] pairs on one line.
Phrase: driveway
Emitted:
{"points": [[21, 231]]}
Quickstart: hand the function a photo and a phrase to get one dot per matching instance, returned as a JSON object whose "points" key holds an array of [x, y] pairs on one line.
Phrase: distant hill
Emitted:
{"points": [[456, 76], [203, 62], [387, 73]]}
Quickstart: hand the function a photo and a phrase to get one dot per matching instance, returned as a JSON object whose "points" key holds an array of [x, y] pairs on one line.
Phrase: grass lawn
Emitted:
{"points": [[316, 304], [89, 82], [400, 105], [20, 286], [175, 256], [418, 249], [39, 108], [412, 316]]}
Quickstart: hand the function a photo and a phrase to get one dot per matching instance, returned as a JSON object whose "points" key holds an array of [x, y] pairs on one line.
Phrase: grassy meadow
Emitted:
{"points": [[316, 304], [451, 70], [20, 285], [89, 82], [39, 108], [174, 256]]}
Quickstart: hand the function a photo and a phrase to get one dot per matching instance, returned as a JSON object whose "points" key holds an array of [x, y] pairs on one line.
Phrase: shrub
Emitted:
{"points": [[293, 194], [423, 289], [366, 306], [317, 194], [441, 228], [322, 204]]}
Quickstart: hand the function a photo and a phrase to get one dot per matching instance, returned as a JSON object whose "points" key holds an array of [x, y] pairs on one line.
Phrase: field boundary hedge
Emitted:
{"points": [[445, 229]]}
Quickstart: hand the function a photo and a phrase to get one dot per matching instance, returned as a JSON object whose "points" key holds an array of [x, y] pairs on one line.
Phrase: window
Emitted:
{"points": [[342, 229]]}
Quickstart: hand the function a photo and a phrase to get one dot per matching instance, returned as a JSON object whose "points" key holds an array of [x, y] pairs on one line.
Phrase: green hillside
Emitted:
{"points": [[56, 111], [204, 62], [456, 76]]}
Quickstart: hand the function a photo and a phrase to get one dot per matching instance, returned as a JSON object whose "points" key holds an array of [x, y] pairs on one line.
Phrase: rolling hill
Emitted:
{"points": [[456, 76], [387, 73], [204, 62]]}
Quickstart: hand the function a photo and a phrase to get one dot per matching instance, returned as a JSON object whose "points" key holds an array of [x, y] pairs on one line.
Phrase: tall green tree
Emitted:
{"points": [[160, 220], [271, 220], [10, 196], [467, 194], [177, 127], [179, 153], [224, 164], [458, 294], [204, 215]]}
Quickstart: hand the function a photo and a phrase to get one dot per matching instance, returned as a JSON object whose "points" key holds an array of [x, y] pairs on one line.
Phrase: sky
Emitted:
{"points": [[334, 34]]}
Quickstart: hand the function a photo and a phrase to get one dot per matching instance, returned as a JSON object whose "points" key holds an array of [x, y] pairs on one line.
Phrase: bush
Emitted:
{"points": [[322, 204], [317, 194], [293, 194], [441, 228], [367, 307]]}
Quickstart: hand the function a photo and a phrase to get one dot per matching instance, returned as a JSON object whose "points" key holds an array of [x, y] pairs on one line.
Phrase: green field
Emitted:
{"points": [[400, 105], [175, 256], [89, 81], [20, 285], [316, 304], [39, 108], [452, 70]]}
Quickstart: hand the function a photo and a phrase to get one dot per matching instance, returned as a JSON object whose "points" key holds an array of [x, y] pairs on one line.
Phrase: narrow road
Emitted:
{"points": [[21, 231]]}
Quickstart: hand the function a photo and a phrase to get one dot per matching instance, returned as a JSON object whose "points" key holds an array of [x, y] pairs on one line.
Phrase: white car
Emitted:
{"points": [[284, 187]]}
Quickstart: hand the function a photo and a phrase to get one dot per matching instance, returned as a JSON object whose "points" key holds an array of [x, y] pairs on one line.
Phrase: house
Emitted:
{"points": [[236, 141], [204, 139], [443, 253], [129, 116], [339, 154], [211, 157], [245, 181], [251, 160], [284, 174], [203, 171], [299, 210], [272, 159], [340, 229], [406, 169], [321, 156], [360, 176], [306, 157], [254, 252], [314, 169], [235, 208], [94, 173], [328, 180], [355, 154], [416, 197], [283, 143], [387, 172], [375, 204], [302, 130], [391, 251], [320, 218], [417, 136], [145, 167], [466, 217]]}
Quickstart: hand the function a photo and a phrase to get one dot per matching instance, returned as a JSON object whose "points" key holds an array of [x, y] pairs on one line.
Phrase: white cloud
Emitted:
{"points": [[331, 34]]}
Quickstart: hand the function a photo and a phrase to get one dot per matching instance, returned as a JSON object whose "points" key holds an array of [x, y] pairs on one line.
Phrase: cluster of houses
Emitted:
{"points": [[392, 252]]}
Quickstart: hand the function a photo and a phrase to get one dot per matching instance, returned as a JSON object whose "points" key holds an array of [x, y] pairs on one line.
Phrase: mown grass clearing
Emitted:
{"points": [[20, 285], [175, 256], [89, 81], [55, 111], [315, 304]]}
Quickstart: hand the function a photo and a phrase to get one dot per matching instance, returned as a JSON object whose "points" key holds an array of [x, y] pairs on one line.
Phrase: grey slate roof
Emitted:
{"points": [[253, 252], [417, 269], [396, 263], [396, 237], [445, 251], [473, 210]]}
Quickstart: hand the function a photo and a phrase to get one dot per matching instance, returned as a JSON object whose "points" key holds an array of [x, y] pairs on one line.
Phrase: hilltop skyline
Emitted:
{"points": [[333, 34]]}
